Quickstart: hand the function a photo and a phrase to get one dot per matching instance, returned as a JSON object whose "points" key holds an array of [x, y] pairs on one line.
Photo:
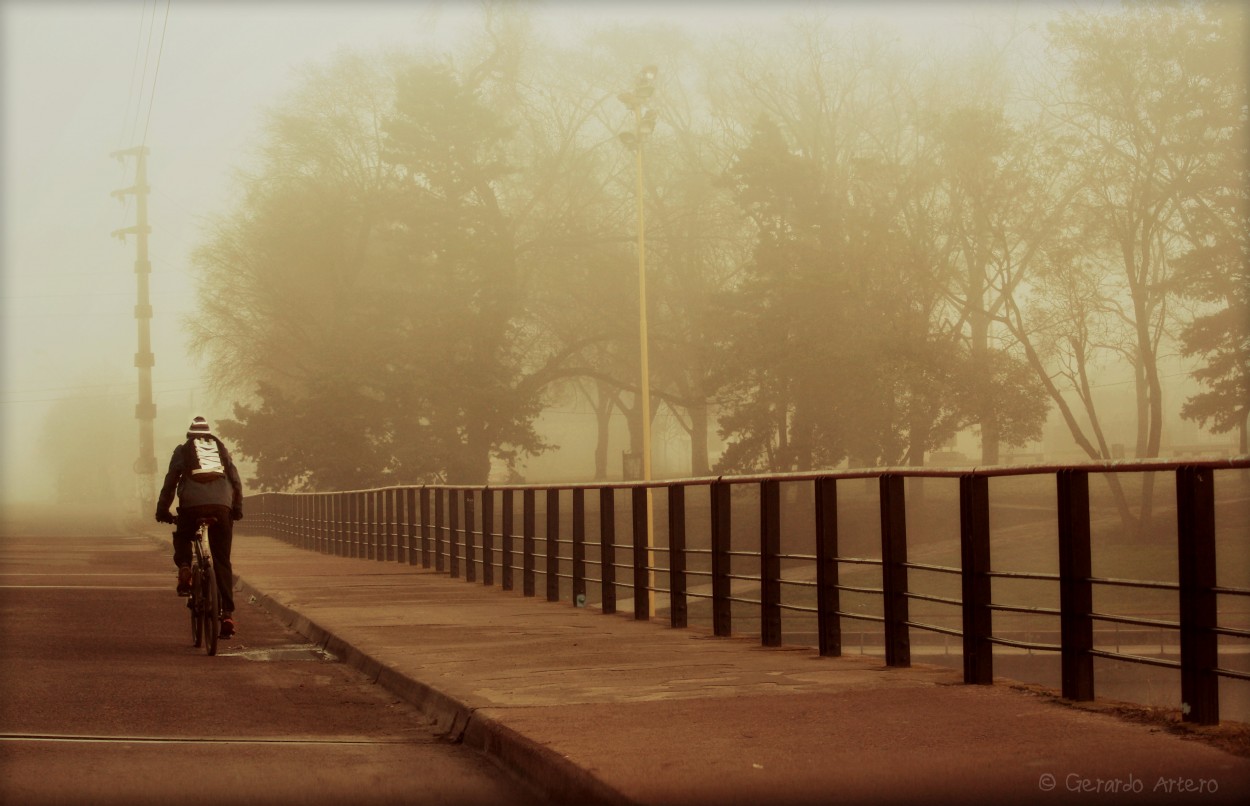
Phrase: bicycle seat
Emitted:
{"points": [[209, 521]]}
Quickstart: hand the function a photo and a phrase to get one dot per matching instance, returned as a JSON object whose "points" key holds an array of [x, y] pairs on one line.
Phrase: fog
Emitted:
{"points": [[193, 81]]}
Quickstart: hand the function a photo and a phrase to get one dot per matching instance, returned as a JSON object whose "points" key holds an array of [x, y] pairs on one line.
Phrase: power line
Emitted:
{"points": [[156, 73], [131, 93], [134, 65], [134, 126]]}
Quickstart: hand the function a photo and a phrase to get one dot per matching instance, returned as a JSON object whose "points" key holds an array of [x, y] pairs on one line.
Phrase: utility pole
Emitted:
{"points": [[145, 409], [644, 124]]}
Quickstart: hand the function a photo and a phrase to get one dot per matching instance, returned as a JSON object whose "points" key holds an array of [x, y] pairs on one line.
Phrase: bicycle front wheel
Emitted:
{"points": [[196, 606], [211, 623]]}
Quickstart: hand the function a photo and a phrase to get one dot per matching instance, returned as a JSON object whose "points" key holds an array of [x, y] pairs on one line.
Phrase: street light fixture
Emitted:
{"points": [[644, 125]]}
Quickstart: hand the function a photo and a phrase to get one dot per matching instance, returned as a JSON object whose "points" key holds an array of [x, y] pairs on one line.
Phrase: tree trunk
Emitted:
{"points": [[699, 465], [603, 405], [918, 437]]}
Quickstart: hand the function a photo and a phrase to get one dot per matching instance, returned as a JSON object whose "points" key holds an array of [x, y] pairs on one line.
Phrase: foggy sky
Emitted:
{"points": [[72, 94]]}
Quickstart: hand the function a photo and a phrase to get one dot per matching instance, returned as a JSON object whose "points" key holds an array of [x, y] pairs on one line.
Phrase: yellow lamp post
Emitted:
{"points": [[644, 124]]}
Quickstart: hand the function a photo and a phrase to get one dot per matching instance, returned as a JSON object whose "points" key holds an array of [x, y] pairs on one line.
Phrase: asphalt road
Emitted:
{"points": [[103, 699]]}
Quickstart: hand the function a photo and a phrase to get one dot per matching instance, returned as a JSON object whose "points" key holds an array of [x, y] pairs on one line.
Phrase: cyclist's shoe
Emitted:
{"points": [[227, 625], [184, 580]]}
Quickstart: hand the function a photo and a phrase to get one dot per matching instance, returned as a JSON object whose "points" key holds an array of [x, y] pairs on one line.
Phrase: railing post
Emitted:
{"points": [[722, 610], [974, 550], [642, 595], [323, 522], [505, 539], [438, 529], [470, 570], [399, 528], [553, 545], [365, 514], [379, 525], [770, 563], [828, 599], [345, 524], [393, 525], [332, 524], [527, 542], [358, 524], [1076, 601], [344, 508], [453, 531], [340, 524], [388, 526], [677, 555], [410, 525], [376, 550], [425, 526], [1195, 534], [293, 519], [894, 569], [310, 511], [384, 526], [488, 536], [358, 528], [607, 549], [343, 516], [371, 523], [579, 547]]}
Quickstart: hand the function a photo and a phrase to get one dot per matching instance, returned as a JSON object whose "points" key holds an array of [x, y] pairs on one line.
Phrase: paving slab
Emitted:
{"points": [[594, 708]]}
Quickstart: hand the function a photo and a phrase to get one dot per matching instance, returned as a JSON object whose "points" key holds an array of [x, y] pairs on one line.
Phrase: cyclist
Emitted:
{"points": [[208, 485]]}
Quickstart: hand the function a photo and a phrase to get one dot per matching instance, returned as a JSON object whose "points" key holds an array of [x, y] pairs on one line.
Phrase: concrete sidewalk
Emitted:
{"points": [[591, 708]]}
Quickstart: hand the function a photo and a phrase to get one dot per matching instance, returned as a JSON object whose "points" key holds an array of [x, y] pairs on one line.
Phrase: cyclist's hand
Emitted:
{"points": [[163, 515], [236, 514]]}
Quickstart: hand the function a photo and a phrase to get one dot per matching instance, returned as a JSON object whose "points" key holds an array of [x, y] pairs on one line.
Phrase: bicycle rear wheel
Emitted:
{"points": [[196, 607], [211, 620]]}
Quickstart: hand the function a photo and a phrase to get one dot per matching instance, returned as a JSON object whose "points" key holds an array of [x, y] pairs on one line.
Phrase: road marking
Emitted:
{"points": [[54, 737], [87, 587], [84, 574]]}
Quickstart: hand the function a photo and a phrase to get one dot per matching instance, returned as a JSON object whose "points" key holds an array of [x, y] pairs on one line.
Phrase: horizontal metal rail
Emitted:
{"points": [[928, 597], [1025, 644], [1142, 659], [1133, 583], [935, 628], [941, 569], [1140, 622]]}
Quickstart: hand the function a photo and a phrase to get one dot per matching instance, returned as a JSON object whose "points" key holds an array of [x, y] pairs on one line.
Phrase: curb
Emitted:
{"points": [[547, 772]]}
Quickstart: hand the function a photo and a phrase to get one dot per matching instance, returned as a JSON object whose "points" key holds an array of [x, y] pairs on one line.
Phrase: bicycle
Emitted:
{"points": [[205, 599]]}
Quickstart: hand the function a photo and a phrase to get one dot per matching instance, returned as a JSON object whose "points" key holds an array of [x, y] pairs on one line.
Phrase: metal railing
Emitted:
{"points": [[453, 529]]}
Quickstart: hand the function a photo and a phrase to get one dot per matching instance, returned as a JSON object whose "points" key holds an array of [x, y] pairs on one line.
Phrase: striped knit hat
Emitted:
{"points": [[199, 428]]}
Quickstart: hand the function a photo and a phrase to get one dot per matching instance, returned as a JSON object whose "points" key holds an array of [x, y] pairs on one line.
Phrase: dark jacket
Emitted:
{"points": [[226, 491]]}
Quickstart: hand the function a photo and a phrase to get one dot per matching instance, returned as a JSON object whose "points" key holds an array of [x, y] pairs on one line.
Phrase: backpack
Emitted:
{"points": [[205, 462]]}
